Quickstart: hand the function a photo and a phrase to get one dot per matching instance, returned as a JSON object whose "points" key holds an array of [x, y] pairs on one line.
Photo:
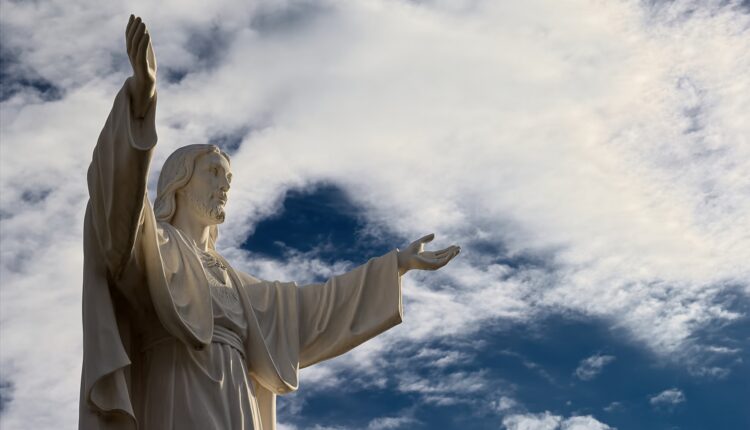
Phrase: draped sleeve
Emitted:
{"points": [[349, 309], [292, 327], [117, 178], [321, 321]]}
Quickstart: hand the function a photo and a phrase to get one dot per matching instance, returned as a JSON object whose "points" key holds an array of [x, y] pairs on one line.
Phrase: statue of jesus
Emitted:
{"points": [[174, 337]]}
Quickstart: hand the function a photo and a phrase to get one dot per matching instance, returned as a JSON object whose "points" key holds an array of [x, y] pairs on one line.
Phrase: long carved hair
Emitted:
{"points": [[175, 174]]}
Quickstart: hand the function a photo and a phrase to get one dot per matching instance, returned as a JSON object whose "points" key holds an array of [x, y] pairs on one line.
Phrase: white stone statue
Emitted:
{"points": [[174, 338]]}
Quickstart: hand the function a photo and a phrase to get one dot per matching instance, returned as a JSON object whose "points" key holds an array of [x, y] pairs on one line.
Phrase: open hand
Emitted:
{"points": [[142, 59], [415, 257]]}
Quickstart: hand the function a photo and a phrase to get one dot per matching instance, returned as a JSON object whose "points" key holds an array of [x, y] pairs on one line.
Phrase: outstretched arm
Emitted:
{"points": [[348, 309], [351, 308]]}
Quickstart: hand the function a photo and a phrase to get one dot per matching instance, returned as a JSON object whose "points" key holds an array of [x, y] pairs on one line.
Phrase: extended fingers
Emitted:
{"points": [[449, 250], [130, 24], [426, 238], [137, 37], [419, 243], [130, 32], [142, 46], [427, 263], [448, 255], [433, 263], [436, 260]]}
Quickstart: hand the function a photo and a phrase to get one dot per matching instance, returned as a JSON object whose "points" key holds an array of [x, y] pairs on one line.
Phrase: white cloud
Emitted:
{"points": [[455, 384], [385, 423], [668, 398], [583, 423], [591, 367], [722, 350], [608, 139], [614, 406], [505, 403], [544, 421], [548, 421], [439, 358]]}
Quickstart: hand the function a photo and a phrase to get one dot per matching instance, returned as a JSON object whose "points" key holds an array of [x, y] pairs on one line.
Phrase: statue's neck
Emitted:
{"points": [[199, 232]]}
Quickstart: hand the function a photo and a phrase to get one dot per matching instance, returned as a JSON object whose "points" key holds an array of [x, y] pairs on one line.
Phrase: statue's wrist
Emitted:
{"points": [[141, 95]]}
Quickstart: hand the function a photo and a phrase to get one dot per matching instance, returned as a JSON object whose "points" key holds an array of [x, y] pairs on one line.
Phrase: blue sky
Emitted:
{"points": [[591, 158]]}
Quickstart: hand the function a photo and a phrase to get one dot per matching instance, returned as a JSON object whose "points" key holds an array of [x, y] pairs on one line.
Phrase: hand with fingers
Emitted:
{"points": [[143, 82], [415, 257]]}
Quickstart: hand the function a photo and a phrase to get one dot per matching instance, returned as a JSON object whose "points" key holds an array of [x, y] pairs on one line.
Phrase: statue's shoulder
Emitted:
{"points": [[173, 246], [165, 229], [169, 234]]}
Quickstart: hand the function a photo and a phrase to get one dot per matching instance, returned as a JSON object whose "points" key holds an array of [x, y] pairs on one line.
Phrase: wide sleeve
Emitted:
{"points": [[348, 309], [117, 189], [291, 327], [117, 179]]}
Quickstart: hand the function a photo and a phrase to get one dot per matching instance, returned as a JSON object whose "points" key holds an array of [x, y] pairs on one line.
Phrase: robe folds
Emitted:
{"points": [[144, 281]]}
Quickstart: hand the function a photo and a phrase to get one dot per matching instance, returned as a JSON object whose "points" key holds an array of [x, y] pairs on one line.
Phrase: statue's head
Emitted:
{"points": [[195, 178]]}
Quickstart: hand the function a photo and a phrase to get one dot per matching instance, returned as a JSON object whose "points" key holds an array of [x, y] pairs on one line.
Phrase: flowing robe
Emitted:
{"points": [[145, 285]]}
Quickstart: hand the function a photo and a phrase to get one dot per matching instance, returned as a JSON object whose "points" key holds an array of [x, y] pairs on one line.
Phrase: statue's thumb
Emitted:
{"points": [[427, 238]]}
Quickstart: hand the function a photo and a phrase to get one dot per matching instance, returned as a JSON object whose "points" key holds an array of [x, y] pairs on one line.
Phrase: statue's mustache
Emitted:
{"points": [[203, 206]]}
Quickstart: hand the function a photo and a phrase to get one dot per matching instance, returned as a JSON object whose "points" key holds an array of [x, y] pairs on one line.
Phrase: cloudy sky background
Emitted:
{"points": [[591, 157]]}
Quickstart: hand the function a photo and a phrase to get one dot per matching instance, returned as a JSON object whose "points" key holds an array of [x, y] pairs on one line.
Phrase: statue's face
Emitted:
{"points": [[206, 192]]}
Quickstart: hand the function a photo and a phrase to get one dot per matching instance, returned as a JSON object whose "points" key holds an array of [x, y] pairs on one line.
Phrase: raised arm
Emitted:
{"points": [[118, 173]]}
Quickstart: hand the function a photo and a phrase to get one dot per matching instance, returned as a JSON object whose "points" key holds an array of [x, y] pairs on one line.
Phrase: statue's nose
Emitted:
{"points": [[224, 185]]}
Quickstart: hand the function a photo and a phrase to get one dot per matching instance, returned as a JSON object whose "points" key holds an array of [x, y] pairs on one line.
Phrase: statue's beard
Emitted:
{"points": [[214, 213]]}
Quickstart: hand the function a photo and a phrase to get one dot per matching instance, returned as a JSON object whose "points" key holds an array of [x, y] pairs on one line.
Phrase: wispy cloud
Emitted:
{"points": [[385, 423], [381, 423], [668, 398], [614, 406], [505, 404], [440, 358], [543, 421], [452, 388], [548, 421], [591, 367]]}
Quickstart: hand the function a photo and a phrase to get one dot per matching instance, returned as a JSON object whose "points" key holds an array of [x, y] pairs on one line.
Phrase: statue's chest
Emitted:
{"points": [[223, 291]]}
